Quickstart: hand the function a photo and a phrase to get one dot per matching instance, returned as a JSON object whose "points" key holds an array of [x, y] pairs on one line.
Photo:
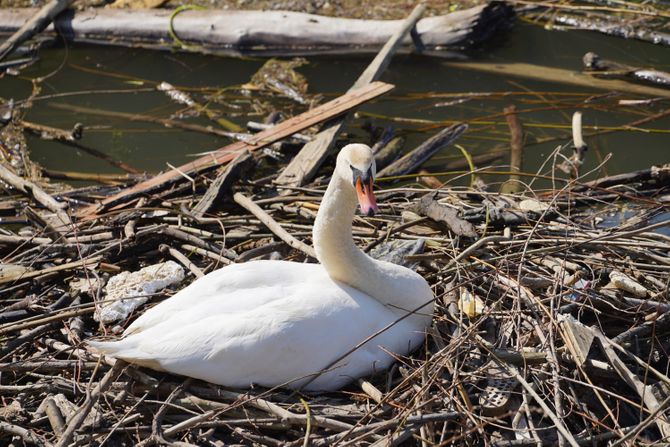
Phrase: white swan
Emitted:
{"points": [[276, 323]]}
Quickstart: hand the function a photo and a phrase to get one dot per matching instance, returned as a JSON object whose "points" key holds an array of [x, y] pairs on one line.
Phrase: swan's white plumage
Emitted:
{"points": [[279, 323], [266, 334]]}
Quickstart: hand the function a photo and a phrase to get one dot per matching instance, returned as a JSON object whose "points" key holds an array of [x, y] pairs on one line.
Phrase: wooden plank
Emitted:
{"points": [[303, 167], [227, 153]]}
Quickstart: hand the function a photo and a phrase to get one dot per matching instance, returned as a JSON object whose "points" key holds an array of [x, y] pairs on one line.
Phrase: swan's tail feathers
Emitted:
{"points": [[111, 348], [125, 350]]}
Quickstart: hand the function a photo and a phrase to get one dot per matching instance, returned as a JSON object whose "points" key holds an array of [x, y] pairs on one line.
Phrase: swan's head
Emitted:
{"points": [[356, 165]]}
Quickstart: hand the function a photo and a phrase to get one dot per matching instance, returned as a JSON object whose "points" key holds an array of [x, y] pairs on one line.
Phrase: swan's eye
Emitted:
{"points": [[365, 178], [356, 173]]}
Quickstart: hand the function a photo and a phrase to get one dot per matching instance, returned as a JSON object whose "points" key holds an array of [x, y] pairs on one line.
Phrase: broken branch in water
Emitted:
{"points": [[304, 165], [572, 164], [33, 25], [516, 150], [610, 69], [71, 138], [258, 141], [146, 118], [503, 272]]}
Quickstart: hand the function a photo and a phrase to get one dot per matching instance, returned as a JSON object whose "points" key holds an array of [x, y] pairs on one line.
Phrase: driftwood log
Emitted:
{"points": [[269, 32]]}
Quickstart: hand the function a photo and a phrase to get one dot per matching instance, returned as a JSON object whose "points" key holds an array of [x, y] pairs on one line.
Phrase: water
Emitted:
{"points": [[420, 82]]}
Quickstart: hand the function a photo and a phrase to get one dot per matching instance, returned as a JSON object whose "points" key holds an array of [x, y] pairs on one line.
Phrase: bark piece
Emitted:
{"points": [[430, 207], [577, 338], [624, 282]]}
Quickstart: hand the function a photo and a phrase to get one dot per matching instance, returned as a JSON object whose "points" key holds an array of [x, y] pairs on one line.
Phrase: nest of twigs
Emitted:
{"points": [[549, 329]]}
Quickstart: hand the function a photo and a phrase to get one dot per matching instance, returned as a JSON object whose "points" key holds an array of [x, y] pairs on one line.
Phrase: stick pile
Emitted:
{"points": [[549, 329]]}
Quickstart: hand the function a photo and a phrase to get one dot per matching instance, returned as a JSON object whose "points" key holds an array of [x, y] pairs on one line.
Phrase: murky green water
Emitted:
{"points": [[423, 85]]}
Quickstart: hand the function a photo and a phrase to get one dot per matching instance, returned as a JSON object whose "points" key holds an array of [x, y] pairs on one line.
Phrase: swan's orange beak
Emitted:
{"points": [[366, 198]]}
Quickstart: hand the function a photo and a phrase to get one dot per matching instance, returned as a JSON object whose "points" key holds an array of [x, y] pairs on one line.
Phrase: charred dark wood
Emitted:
{"points": [[15, 315], [423, 152], [659, 175], [260, 251], [389, 152], [658, 325], [222, 184]]}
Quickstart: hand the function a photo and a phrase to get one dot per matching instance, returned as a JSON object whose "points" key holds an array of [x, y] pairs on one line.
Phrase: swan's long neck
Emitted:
{"points": [[333, 238], [345, 262]]}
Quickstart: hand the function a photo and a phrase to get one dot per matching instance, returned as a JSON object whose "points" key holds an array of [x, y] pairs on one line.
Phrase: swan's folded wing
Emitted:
{"points": [[283, 340], [227, 288]]}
